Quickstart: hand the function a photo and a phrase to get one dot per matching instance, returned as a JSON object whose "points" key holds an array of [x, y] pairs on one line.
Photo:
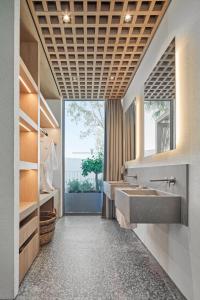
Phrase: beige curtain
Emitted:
{"points": [[129, 133], [113, 156]]}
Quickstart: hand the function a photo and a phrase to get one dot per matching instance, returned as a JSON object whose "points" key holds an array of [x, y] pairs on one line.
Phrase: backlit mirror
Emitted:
{"points": [[129, 133], [159, 105]]}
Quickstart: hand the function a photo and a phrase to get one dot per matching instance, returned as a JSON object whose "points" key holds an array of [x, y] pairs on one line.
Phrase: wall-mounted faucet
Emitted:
{"points": [[132, 176], [171, 180]]}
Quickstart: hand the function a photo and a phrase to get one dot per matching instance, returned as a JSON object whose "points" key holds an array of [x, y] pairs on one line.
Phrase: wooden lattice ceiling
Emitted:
{"points": [[96, 55], [161, 83]]}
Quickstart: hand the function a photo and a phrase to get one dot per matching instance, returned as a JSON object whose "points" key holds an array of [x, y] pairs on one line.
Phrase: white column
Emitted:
{"points": [[9, 140]]}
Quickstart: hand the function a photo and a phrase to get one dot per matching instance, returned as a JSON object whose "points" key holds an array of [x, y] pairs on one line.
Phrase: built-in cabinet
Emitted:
{"points": [[34, 114]]}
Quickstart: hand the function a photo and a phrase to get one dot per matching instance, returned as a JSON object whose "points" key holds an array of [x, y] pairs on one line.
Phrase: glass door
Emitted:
{"points": [[84, 148]]}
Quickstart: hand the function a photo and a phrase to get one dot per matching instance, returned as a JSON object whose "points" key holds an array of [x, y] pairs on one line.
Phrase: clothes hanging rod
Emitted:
{"points": [[44, 131]]}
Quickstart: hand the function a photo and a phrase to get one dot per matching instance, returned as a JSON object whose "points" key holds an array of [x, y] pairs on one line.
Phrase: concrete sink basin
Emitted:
{"points": [[110, 186], [148, 206]]}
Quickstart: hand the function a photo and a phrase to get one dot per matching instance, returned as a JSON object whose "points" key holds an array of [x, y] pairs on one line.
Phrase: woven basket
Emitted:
{"points": [[47, 226]]}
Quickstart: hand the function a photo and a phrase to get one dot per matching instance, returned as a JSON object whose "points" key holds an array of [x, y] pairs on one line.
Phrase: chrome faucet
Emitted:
{"points": [[133, 176], [171, 180]]}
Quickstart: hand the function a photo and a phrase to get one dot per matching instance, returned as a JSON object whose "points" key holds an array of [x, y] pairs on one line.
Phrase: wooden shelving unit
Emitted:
{"points": [[28, 170], [34, 113]]}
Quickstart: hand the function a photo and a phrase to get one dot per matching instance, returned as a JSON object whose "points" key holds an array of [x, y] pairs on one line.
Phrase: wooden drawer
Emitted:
{"points": [[27, 255], [27, 229]]}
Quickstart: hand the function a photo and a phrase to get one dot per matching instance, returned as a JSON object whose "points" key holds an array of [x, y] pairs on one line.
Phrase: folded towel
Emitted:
{"points": [[122, 221]]}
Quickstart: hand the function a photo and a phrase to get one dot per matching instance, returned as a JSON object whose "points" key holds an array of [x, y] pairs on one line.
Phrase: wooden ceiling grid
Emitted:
{"points": [[96, 55], [161, 83]]}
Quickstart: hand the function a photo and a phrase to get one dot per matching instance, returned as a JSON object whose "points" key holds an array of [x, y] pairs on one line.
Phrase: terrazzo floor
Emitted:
{"points": [[93, 259]]}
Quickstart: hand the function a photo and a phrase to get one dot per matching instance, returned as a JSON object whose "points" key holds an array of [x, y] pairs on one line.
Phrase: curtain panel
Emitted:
{"points": [[129, 133], [113, 146]]}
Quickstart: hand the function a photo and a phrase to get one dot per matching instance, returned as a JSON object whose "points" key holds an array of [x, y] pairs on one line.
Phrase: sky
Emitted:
{"points": [[75, 147]]}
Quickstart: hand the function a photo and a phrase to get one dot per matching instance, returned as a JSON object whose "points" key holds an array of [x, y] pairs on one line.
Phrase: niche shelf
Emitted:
{"points": [[26, 123], [24, 165], [47, 119], [26, 208], [29, 147], [28, 192], [27, 83], [46, 197]]}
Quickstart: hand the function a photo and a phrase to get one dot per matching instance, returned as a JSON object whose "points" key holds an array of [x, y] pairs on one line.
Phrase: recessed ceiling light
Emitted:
{"points": [[112, 78], [74, 79], [127, 18], [66, 18]]}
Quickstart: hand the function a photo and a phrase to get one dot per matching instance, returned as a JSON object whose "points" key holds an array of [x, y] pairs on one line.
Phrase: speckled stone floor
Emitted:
{"points": [[93, 259]]}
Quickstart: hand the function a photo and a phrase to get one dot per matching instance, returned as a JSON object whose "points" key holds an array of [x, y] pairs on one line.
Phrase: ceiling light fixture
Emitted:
{"points": [[127, 18], [74, 79], [44, 112], [24, 84], [112, 78], [66, 17], [25, 127]]}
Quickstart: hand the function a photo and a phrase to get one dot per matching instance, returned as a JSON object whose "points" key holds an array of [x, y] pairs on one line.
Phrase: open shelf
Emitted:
{"points": [[26, 208], [29, 105], [28, 96], [26, 123], [24, 165], [27, 83], [28, 189], [47, 119], [46, 197], [29, 147]]}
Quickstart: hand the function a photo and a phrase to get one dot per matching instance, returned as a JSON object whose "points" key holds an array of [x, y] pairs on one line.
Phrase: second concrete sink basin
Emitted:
{"points": [[110, 186], [148, 206]]}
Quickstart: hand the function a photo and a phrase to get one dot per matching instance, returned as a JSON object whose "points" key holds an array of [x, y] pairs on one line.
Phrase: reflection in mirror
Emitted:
{"points": [[159, 105], [129, 133]]}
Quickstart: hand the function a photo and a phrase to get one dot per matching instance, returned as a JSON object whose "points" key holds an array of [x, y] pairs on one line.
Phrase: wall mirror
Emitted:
{"points": [[160, 105], [129, 133]]}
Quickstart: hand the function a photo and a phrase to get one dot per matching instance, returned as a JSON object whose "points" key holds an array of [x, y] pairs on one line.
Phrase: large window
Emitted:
{"points": [[84, 148]]}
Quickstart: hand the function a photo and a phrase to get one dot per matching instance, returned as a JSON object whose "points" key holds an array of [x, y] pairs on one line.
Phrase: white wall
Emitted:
{"points": [[9, 134], [177, 248]]}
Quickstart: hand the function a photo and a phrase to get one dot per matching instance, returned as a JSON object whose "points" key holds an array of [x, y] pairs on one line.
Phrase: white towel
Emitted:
{"points": [[122, 221]]}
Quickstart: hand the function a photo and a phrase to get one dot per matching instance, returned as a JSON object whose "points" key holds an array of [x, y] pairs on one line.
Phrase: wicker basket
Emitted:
{"points": [[47, 226]]}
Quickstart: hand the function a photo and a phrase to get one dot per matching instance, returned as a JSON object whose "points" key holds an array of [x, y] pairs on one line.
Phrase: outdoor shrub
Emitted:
{"points": [[74, 186], [86, 186]]}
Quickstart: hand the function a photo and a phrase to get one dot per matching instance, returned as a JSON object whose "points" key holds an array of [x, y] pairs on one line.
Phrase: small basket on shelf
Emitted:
{"points": [[47, 226]]}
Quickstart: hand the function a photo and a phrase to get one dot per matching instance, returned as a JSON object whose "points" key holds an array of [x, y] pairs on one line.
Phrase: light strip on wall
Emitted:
{"points": [[44, 112], [25, 85], [26, 128], [50, 112]]}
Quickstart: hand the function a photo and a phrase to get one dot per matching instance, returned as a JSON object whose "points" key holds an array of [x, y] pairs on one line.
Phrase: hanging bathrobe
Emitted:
{"points": [[48, 163]]}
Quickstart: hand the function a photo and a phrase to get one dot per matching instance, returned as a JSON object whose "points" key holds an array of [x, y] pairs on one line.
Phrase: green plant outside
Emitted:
{"points": [[77, 186]]}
